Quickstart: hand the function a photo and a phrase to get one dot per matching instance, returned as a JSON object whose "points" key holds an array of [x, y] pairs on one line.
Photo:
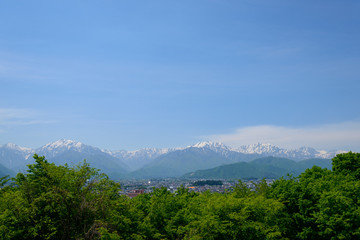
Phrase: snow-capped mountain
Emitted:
{"points": [[295, 154], [214, 146], [18, 148], [266, 149], [68, 151], [145, 152], [260, 148], [14, 157], [54, 149], [26, 152], [139, 158], [60, 152], [205, 155]]}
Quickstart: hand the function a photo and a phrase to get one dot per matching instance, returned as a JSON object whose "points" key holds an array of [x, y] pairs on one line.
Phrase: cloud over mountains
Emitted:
{"points": [[344, 136]]}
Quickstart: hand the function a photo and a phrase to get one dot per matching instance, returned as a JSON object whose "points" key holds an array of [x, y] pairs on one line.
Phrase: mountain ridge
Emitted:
{"points": [[258, 148], [205, 154]]}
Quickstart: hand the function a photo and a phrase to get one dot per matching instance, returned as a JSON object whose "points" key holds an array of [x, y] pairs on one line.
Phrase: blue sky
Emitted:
{"points": [[134, 74]]}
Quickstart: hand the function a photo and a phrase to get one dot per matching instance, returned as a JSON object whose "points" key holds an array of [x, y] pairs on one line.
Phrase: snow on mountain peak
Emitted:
{"points": [[213, 146], [16, 147], [209, 144], [64, 143], [267, 149], [141, 157], [55, 148], [11, 146], [258, 148]]}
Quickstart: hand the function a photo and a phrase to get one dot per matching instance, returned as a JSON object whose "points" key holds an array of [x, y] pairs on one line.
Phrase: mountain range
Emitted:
{"points": [[150, 162]]}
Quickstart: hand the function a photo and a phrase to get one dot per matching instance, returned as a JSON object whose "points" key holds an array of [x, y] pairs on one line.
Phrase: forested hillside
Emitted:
{"points": [[5, 171], [62, 202], [268, 167]]}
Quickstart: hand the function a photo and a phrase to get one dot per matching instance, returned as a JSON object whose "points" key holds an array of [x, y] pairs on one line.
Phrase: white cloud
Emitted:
{"points": [[9, 114], [344, 136], [19, 116]]}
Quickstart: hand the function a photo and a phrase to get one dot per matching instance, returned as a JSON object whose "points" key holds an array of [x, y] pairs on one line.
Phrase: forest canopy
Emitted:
{"points": [[62, 202]]}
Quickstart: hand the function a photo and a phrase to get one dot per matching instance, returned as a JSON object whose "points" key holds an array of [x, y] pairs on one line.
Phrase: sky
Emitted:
{"points": [[135, 74]]}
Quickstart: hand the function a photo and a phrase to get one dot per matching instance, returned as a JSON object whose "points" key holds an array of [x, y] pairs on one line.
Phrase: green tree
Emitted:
{"points": [[321, 204], [56, 202], [347, 164], [241, 189]]}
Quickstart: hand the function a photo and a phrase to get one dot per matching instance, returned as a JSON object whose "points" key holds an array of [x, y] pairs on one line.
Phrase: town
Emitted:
{"points": [[134, 187]]}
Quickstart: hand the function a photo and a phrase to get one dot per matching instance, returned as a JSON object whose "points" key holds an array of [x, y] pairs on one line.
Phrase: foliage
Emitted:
{"points": [[55, 202], [321, 204], [347, 164], [62, 202]]}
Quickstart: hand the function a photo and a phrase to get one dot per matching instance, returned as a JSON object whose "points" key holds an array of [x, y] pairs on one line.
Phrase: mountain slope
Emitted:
{"points": [[302, 153], [268, 167], [104, 162], [139, 158], [308, 163], [150, 162], [14, 157], [5, 172], [230, 154], [60, 152], [175, 164], [283, 163], [229, 171], [71, 152], [54, 149]]}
